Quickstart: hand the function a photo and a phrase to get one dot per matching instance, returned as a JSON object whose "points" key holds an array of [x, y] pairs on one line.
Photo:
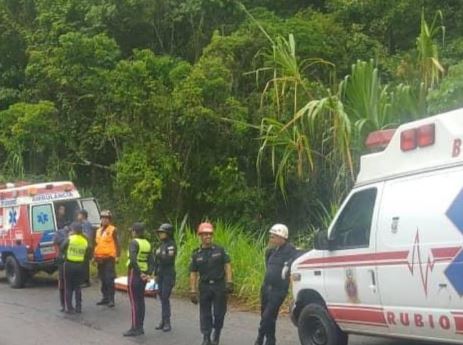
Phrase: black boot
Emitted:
{"points": [[216, 337], [167, 327], [270, 341], [260, 339], [207, 339], [161, 325]]}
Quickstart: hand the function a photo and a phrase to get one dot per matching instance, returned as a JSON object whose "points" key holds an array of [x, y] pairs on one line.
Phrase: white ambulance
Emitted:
{"points": [[391, 262]]}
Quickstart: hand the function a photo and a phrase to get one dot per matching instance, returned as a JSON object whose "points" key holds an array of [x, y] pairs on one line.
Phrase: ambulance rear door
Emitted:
{"points": [[93, 209], [43, 222]]}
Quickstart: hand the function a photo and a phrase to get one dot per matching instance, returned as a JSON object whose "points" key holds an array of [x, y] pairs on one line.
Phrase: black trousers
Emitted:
{"points": [[271, 300], [62, 296], [86, 274], [136, 291], [73, 275], [107, 274], [166, 284], [212, 306]]}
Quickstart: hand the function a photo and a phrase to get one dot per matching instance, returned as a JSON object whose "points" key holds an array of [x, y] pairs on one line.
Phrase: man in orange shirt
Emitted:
{"points": [[107, 251]]}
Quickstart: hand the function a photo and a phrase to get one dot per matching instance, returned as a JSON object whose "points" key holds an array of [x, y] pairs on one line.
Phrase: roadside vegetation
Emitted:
{"points": [[251, 112]]}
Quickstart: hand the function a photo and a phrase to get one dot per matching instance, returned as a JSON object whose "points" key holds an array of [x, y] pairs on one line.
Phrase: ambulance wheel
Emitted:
{"points": [[14, 273], [316, 327]]}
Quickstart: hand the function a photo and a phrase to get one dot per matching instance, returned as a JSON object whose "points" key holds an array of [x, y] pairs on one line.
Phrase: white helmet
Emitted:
{"points": [[280, 230]]}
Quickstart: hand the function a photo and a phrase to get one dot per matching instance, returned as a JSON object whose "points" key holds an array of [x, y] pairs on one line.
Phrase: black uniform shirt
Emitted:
{"points": [[210, 263], [165, 258], [275, 259], [60, 237]]}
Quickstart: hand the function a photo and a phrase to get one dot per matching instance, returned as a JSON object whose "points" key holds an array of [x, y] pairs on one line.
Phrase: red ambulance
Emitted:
{"points": [[28, 222]]}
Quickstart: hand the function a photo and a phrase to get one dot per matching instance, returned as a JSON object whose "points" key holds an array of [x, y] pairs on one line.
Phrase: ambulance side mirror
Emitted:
{"points": [[321, 241]]}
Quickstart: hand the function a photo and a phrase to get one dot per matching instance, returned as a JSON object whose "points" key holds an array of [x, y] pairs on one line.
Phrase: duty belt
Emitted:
{"points": [[211, 281]]}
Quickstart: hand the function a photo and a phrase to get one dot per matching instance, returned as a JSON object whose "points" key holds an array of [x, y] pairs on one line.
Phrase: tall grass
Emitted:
{"points": [[245, 250]]}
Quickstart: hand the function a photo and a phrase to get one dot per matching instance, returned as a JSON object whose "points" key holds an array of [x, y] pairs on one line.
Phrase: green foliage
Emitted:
{"points": [[449, 95], [162, 108]]}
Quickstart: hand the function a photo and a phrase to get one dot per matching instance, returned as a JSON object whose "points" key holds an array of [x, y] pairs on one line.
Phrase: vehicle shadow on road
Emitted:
{"points": [[36, 282]]}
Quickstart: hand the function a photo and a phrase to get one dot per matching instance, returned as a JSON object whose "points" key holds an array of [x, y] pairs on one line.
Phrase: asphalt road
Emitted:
{"points": [[30, 316]]}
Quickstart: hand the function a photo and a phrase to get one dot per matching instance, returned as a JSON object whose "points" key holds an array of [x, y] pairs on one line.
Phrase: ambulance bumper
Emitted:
{"points": [[48, 265]]}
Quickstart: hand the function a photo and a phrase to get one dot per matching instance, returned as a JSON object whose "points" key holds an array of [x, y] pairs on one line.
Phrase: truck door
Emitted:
{"points": [[93, 209], [43, 223], [352, 292]]}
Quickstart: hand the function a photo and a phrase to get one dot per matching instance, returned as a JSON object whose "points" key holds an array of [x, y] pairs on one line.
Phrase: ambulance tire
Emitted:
{"points": [[14, 273], [316, 327]]}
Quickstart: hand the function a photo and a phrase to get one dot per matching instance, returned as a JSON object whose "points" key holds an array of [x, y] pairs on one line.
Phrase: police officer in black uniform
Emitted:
{"points": [[165, 272], [60, 237], [211, 265], [275, 287]]}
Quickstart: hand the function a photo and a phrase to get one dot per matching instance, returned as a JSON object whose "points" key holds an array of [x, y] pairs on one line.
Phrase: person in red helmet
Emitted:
{"points": [[211, 271]]}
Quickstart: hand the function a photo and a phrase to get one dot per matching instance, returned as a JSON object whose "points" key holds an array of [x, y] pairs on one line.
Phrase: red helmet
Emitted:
{"points": [[205, 228]]}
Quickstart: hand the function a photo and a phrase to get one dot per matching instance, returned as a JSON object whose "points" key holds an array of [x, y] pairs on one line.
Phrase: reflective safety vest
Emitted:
{"points": [[105, 246], [144, 251], [77, 248]]}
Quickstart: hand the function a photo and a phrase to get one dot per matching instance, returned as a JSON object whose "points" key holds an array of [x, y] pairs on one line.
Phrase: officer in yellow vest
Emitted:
{"points": [[107, 251], [76, 252], [140, 266]]}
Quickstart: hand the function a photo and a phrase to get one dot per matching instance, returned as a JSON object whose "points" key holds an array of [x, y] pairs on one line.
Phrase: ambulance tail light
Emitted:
{"points": [[423, 136], [49, 186]]}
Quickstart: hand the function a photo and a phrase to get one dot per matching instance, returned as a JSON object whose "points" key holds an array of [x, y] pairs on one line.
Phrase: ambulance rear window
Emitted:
{"points": [[42, 218]]}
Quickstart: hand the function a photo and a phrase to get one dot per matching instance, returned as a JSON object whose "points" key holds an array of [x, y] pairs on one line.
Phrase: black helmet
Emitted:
{"points": [[138, 228], [167, 228]]}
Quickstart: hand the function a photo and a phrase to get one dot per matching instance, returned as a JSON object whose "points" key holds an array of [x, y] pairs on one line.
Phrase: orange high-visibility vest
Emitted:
{"points": [[105, 245]]}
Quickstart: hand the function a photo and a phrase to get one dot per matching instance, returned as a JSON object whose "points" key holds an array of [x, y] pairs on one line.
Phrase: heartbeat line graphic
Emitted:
{"points": [[416, 261]]}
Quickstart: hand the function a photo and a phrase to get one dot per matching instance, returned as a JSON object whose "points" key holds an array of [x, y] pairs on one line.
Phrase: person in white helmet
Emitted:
{"points": [[278, 259]]}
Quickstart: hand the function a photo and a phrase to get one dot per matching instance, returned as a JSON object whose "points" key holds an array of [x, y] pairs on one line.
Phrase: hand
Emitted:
{"points": [[230, 287], [194, 297]]}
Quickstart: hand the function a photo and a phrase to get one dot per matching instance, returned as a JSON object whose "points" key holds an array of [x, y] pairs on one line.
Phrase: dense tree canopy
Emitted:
{"points": [[251, 111]]}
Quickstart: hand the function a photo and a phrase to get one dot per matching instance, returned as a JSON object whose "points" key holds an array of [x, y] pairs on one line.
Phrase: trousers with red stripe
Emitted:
{"points": [[136, 291]]}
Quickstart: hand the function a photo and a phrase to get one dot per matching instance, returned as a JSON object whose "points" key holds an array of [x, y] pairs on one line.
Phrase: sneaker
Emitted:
{"points": [[111, 304], [102, 302]]}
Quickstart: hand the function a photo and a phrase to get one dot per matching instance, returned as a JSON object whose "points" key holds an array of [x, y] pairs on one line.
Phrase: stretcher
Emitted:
{"points": [[151, 289]]}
